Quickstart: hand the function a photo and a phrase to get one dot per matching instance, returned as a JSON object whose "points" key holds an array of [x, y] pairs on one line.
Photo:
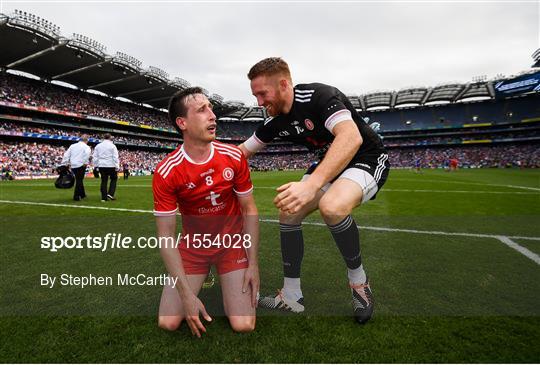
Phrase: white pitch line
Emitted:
{"points": [[415, 231], [85, 184], [466, 183], [268, 187], [384, 189], [382, 229], [522, 250], [504, 239], [521, 187], [76, 206], [458, 191], [438, 191]]}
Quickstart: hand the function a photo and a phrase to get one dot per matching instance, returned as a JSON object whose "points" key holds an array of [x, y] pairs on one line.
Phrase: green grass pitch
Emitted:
{"points": [[453, 260]]}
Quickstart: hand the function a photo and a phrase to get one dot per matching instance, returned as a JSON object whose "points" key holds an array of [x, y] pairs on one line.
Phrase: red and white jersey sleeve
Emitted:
{"points": [[165, 193], [242, 181]]}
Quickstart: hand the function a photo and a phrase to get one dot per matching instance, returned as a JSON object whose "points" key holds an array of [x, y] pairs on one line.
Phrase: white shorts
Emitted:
{"points": [[359, 176]]}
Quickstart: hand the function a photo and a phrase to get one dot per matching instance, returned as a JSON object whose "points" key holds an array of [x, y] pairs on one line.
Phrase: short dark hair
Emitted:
{"points": [[177, 104], [269, 67], [107, 136]]}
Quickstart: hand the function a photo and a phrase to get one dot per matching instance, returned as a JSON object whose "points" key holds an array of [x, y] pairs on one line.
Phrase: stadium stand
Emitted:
{"points": [[30, 92], [493, 123], [38, 120], [522, 156], [459, 114], [32, 159]]}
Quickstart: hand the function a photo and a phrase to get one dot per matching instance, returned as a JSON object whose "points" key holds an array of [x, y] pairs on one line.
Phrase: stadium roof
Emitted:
{"points": [[410, 96], [536, 58], [245, 113], [34, 45]]}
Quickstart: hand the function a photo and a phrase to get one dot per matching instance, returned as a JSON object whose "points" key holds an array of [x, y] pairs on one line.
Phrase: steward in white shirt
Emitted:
{"points": [[77, 156], [106, 160]]}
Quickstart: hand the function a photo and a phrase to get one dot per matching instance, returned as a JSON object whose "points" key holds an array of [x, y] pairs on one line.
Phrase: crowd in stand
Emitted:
{"points": [[37, 159], [27, 158], [236, 130], [18, 89], [458, 139], [23, 158], [31, 92], [264, 162], [10, 128], [7, 127], [526, 155], [140, 162]]}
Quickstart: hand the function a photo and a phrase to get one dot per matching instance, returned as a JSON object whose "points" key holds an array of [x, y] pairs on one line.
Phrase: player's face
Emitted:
{"points": [[200, 120], [269, 94]]}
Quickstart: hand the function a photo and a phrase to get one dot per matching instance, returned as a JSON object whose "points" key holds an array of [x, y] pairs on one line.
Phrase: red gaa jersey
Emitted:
{"points": [[206, 192]]}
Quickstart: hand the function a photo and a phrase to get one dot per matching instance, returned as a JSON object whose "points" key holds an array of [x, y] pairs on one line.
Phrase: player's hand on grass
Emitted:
{"points": [[193, 307], [294, 196], [251, 279]]}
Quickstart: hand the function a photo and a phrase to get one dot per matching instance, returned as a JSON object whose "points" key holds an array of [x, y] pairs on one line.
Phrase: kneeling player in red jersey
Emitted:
{"points": [[209, 183]]}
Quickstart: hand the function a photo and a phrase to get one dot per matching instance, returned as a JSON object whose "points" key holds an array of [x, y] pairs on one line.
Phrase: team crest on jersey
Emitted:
{"points": [[309, 124], [228, 174]]}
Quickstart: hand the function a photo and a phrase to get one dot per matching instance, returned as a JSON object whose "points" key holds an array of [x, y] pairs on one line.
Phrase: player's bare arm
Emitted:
{"points": [[295, 195], [166, 227], [251, 227]]}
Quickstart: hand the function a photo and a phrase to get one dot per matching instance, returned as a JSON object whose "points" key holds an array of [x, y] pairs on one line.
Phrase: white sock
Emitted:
{"points": [[357, 276], [291, 288]]}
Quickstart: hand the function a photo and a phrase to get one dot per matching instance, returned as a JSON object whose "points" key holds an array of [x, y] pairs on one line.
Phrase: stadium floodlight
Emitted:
{"points": [[181, 83], [217, 98], [34, 23], [88, 44], [127, 60], [479, 79], [235, 103], [536, 55], [157, 73]]}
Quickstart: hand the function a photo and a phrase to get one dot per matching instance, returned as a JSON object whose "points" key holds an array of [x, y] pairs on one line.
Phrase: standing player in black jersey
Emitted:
{"points": [[353, 167]]}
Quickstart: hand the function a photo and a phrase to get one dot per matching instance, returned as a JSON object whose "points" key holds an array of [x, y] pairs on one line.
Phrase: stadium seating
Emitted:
{"points": [[39, 120], [458, 114]]}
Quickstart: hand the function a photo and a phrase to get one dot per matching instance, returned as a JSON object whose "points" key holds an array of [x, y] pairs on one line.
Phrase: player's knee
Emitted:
{"points": [[287, 218], [332, 209], [242, 324], [169, 323]]}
